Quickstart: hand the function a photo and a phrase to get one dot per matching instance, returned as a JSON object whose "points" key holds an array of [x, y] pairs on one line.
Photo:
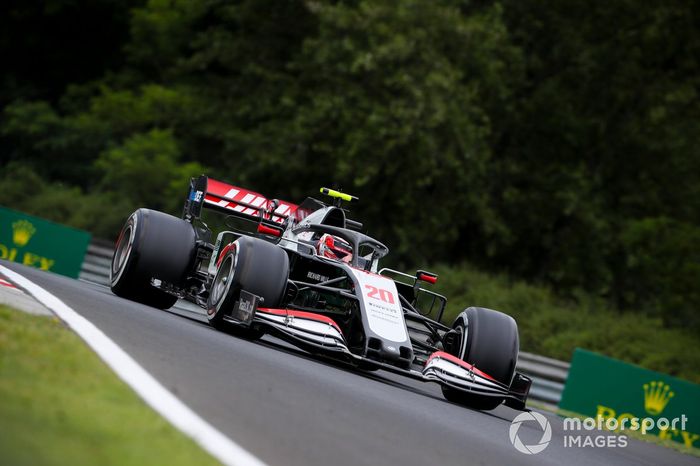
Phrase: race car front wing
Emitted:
{"points": [[320, 334]]}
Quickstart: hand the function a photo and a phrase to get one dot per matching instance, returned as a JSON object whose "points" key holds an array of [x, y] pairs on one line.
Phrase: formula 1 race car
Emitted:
{"points": [[306, 274]]}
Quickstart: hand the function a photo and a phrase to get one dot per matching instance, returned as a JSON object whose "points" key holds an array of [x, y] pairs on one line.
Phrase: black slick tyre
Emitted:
{"points": [[489, 341], [255, 266], [152, 245]]}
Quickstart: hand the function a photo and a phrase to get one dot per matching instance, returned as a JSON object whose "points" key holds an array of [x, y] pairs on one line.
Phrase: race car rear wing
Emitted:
{"points": [[233, 200]]}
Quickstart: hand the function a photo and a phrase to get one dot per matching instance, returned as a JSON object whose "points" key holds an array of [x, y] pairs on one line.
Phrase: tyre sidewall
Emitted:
{"points": [[257, 267], [229, 294], [490, 343], [161, 246]]}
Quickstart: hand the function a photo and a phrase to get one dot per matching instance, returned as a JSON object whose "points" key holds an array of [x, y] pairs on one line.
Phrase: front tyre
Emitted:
{"points": [[489, 341], [255, 266], [152, 245]]}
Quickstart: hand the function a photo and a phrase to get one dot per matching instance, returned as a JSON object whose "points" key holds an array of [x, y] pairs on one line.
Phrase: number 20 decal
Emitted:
{"points": [[380, 294]]}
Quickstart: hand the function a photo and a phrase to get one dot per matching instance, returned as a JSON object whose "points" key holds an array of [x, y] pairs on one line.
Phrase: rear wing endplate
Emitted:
{"points": [[233, 200]]}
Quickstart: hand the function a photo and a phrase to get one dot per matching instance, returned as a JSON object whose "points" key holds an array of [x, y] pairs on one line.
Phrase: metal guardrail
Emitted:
{"points": [[97, 262], [548, 375]]}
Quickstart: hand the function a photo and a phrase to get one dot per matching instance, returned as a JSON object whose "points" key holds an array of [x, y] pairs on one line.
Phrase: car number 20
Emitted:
{"points": [[380, 294]]}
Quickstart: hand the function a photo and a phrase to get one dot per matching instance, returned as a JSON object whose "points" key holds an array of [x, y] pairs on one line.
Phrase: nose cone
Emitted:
{"points": [[390, 352]]}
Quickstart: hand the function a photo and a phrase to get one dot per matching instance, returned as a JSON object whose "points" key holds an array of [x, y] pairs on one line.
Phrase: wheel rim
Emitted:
{"points": [[222, 281], [123, 251], [464, 332]]}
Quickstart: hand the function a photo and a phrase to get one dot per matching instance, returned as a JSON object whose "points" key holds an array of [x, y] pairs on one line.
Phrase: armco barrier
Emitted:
{"points": [[97, 261], [548, 375]]}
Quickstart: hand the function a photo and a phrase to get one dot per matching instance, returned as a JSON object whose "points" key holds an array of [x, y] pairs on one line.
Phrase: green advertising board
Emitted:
{"points": [[602, 387], [40, 243]]}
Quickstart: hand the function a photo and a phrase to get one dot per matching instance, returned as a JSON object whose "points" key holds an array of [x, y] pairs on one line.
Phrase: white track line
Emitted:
{"points": [[143, 383]]}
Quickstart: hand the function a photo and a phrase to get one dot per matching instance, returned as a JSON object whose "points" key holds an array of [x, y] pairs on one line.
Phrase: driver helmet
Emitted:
{"points": [[334, 247]]}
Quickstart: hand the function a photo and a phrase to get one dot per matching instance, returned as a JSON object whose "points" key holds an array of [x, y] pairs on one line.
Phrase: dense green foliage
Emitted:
{"points": [[555, 141], [552, 326]]}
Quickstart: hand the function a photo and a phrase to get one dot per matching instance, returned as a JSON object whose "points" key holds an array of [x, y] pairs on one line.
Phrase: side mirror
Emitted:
{"points": [[427, 277]]}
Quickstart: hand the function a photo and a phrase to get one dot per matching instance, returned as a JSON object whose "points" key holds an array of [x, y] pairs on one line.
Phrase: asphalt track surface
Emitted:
{"points": [[288, 408]]}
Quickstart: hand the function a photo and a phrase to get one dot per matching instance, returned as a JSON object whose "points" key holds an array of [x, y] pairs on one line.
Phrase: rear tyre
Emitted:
{"points": [[255, 266], [152, 245], [489, 341]]}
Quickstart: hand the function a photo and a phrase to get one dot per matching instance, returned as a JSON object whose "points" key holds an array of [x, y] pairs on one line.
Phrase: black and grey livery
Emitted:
{"points": [[307, 274]]}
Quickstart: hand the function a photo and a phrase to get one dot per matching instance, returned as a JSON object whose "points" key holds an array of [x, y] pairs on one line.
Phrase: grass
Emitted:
{"points": [[59, 404], [553, 327]]}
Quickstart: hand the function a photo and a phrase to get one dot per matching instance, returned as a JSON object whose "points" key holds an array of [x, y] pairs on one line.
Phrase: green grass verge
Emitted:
{"points": [[60, 404], [552, 327]]}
